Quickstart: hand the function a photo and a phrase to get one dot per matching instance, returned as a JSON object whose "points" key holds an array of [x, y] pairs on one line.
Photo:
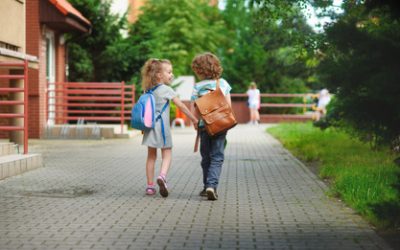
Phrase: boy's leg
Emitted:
{"points": [[205, 147], [216, 160], [151, 160]]}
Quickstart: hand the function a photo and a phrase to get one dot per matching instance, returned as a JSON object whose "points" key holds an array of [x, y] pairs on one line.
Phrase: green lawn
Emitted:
{"points": [[364, 179]]}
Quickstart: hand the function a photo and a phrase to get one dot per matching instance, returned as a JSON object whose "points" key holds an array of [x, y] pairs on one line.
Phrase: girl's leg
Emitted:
{"points": [[165, 163], [257, 116], [252, 115], [151, 160], [166, 154]]}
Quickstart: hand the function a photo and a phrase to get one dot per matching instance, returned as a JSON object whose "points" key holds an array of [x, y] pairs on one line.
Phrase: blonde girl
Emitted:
{"points": [[158, 72], [254, 103]]}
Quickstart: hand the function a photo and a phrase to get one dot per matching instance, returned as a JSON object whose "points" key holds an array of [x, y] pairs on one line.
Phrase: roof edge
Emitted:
{"points": [[62, 8]]}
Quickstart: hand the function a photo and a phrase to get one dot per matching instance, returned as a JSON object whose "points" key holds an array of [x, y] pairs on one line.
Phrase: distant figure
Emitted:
{"points": [[323, 100], [254, 103]]}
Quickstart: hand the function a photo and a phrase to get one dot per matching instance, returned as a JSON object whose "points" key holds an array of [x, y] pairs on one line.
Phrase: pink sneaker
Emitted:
{"points": [[162, 183], [150, 190]]}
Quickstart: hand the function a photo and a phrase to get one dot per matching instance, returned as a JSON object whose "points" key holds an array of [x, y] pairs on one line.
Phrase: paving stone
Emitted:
{"points": [[90, 195]]}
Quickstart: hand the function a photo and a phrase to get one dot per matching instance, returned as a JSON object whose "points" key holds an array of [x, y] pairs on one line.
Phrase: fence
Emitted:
{"points": [[89, 101], [11, 93], [240, 107]]}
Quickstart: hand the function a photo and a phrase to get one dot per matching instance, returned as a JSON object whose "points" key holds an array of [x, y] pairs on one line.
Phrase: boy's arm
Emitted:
{"points": [[185, 110], [228, 99]]}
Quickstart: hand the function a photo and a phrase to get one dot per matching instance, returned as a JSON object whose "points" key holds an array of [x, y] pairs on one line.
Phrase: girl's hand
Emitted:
{"points": [[195, 123]]}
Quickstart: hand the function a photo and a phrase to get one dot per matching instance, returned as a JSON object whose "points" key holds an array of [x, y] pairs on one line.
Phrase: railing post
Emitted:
{"points": [[26, 99], [122, 106], [64, 110], [46, 102]]}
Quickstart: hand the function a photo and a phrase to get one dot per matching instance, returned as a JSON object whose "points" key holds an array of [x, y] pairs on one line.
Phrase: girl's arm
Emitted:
{"points": [[196, 111], [185, 110]]}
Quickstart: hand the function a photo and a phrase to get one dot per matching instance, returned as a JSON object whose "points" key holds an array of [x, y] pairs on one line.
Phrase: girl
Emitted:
{"points": [[254, 103], [159, 72], [208, 69]]}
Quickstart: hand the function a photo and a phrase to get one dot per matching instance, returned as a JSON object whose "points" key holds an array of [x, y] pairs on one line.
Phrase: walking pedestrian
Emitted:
{"points": [[208, 69], [254, 103], [159, 72], [324, 99]]}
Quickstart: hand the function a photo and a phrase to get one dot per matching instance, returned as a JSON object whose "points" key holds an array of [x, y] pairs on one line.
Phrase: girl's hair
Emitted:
{"points": [[207, 66], [253, 85], [150, 70]]}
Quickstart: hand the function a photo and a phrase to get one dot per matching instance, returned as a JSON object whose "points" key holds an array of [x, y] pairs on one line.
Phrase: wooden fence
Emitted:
{"points": [[270, 110], [89, 101]]}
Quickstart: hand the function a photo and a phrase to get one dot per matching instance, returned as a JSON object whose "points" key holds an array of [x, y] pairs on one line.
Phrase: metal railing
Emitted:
{"points": [[8, 92], [89, 101], [305, 105]]}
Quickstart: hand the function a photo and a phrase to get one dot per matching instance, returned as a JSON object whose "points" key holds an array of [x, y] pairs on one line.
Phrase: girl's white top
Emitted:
{"points": [[254, 97]]}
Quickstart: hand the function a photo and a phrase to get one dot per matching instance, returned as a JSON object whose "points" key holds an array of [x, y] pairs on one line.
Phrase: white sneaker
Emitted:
{"points": [[211, 194]]}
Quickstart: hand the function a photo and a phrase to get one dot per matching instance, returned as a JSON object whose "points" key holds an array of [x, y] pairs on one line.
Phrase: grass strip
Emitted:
{"points": [[365, 179]]}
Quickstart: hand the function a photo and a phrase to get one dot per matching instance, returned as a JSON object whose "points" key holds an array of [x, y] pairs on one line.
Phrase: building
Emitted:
{"points": [[48, 22], [13, 50], [35, 30]]}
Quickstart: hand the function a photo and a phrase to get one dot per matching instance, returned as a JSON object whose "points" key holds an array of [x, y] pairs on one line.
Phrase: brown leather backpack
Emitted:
{"points": [[216, 112]]}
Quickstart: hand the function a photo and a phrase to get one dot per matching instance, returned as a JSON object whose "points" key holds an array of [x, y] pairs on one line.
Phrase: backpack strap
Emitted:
{"points": [[152, 89], [159, 117]]}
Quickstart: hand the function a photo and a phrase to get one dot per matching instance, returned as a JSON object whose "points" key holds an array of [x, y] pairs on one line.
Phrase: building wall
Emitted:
{"points": [[12, 23], [12, 36], [60, 58], [36, 45]]}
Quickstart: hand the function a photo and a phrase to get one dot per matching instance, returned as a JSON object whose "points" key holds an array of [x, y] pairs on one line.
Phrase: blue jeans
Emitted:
{"points": [[212, 154]]}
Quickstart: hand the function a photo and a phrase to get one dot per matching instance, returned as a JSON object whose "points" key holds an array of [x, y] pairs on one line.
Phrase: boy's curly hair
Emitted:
{"points": [[150, 69], [207, 66]]}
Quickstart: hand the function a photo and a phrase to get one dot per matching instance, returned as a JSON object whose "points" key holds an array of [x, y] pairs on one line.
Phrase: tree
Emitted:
{"points": [[244, 59], [267, 47], [360, 65], [103, 55], [178, 30]]}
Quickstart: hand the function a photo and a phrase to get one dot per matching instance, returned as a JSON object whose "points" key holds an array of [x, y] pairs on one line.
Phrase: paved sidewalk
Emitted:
{"points": [[90, 195]]}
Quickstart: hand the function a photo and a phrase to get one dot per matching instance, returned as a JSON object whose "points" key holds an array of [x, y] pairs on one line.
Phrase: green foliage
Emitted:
{"points": [[252, 45], [104, 54], [364, 179], [269, 47], [179, 33], [172, 111], [360, 65]]}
